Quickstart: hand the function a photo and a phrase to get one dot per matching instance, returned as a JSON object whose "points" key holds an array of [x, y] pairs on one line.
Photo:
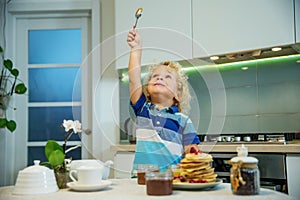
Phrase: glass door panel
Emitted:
{"points": [[54, 84], [54, 46], [54, 88]]}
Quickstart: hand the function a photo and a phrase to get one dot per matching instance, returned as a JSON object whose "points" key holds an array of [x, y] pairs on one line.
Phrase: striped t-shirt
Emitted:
{"points": [[161, 134]]}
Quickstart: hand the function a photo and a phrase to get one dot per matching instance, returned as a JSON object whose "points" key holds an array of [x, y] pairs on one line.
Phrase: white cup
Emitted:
{"points": [[237, 138], [228, 138], [247, 138], [75, 164], [87, 175]]}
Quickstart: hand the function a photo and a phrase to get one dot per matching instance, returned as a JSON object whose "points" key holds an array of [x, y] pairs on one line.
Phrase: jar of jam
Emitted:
{"points": [[244, 173], [141, 172], [159, 183]]}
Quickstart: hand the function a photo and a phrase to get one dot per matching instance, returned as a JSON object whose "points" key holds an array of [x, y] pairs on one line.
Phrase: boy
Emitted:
{"points": [[164, 133]]}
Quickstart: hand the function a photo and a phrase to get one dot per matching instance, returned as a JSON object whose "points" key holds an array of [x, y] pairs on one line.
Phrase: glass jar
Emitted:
{"points": [[244, 173], [159, 183], [141, 172]]}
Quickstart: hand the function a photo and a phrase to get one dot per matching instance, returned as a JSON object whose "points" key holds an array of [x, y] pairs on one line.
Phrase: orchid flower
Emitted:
{"points": [[71, 127]]}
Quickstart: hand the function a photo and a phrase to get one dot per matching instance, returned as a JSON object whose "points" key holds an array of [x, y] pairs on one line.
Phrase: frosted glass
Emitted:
{"points": [[278, 72], [279, 123], [241, 124], [54, 46], [264, 98], [241, 101], [54, 84], [45, 122], [279, 98], [236, 77]]}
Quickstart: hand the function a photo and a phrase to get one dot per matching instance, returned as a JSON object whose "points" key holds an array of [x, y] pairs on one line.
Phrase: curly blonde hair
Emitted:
{"points": [[182, 85]]}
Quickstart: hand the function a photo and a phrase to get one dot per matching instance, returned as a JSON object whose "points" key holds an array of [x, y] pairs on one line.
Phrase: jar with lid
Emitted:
{"points": [[159, 183], [141, 172], [244, 173]]}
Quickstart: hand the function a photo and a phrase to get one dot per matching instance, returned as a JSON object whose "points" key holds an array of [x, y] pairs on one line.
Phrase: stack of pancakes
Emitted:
{"points": [[197, 167]]}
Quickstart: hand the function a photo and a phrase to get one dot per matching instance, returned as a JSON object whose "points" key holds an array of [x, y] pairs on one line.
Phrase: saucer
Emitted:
{"points": [[79, 187]]}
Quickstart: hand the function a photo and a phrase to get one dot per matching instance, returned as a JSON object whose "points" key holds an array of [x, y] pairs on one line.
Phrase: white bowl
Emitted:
{"points": [[35, 179]]}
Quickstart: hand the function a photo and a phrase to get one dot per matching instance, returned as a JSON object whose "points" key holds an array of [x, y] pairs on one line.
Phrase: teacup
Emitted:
{"points": [[228, 138], [237, 138], [75, 164], [87, 175], [219, 139], [247, 138]]}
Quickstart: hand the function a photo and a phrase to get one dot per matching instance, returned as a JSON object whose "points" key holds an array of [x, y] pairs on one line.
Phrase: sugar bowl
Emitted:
{"points": [[35, 179]]}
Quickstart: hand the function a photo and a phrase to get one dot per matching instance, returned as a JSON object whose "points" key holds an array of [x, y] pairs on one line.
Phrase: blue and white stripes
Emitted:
{"points": [[161, 134]]}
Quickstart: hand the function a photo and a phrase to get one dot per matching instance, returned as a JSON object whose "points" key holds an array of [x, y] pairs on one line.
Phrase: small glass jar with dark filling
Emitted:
{"points": [[159, 183], [141, 172]]}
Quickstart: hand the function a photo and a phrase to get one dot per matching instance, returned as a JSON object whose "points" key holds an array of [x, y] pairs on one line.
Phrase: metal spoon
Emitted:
{"points": [[138, 14]]}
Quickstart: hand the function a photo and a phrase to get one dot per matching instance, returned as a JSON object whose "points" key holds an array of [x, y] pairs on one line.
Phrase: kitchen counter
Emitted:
{"points": [[211, 147], [128, 189]]}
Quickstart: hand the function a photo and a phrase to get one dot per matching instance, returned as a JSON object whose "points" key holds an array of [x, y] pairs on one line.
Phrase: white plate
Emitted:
{"points": [[78, 187], [196, 186]]}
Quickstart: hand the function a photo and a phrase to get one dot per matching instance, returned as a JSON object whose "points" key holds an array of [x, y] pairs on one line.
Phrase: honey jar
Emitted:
{"points": [[244, 173], [159, 183], [141, 172]]}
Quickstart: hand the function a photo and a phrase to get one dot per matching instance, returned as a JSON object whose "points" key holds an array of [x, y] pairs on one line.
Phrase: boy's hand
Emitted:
{"points": [[134, 39], [191, 148]]}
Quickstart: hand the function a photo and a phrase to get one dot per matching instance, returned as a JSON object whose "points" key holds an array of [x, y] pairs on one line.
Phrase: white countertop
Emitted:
{"points": [[128, 189], [216, 147]]}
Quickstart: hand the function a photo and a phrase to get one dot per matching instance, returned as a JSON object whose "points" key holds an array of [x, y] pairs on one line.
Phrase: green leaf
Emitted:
{"points": [[20, 88], [57, 157], [1, 49], [3, 122], [52, 146], [8, 64], [11, 125], [15, 72]]}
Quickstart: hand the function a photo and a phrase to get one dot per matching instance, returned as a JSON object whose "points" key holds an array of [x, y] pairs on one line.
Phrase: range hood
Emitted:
{"points": [[258, 54]]}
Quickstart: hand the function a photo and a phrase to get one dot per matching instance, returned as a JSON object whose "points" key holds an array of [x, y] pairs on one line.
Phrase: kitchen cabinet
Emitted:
{"points": [[292, 164], [239, 25], [123, 162], [165, 27]]}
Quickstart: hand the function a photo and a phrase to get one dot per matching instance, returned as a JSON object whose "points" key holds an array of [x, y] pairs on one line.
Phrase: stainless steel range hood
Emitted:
{"points": [[258, 54], [292, 49]]}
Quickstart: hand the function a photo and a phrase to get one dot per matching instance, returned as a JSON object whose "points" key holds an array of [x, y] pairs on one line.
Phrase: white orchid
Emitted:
{"points": [[71, 127], [70, 124]]}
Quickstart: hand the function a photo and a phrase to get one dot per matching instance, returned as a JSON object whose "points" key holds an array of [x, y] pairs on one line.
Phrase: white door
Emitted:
{"points": [[57, 89], [50, 51]]}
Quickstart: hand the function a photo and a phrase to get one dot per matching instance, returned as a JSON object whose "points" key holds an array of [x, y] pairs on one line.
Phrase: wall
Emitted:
{"points": [[262, 99]]}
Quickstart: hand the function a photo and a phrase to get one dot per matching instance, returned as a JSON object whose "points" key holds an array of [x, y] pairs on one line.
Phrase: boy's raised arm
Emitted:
{"points": [[134, 66]]}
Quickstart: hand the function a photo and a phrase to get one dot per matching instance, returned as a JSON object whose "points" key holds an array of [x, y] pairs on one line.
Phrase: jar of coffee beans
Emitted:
{"points": [[244, 173]]}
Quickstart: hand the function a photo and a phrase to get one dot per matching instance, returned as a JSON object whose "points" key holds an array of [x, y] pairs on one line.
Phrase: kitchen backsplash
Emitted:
{"points": [[259, 96]]}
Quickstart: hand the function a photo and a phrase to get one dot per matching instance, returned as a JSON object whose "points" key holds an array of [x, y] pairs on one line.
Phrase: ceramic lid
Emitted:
{"points": [[242, 152], [36, 168]]}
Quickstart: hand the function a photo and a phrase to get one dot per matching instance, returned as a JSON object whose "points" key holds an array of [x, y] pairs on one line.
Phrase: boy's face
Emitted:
{"points": [[163, 81]]}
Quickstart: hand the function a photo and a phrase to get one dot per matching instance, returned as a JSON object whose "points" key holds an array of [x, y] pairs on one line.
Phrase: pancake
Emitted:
{"points": [[196, 168]]}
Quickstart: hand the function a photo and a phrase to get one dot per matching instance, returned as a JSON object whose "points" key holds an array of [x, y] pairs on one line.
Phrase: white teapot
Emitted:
{"points": [[92, 163]]}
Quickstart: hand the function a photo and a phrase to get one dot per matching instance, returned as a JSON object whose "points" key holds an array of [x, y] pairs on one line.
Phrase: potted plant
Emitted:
{"points": [[10, 84], [56, 160], [56, 154]]}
